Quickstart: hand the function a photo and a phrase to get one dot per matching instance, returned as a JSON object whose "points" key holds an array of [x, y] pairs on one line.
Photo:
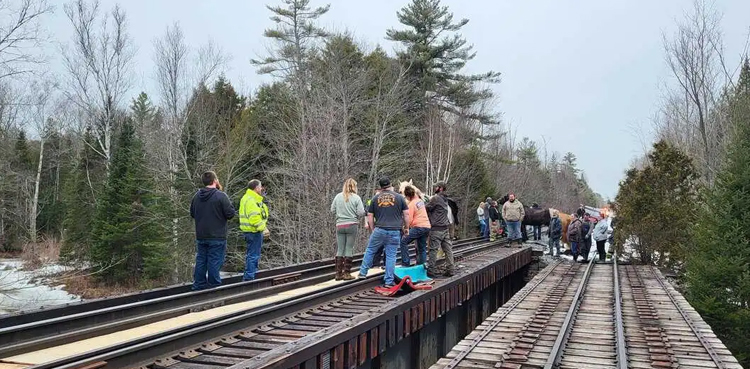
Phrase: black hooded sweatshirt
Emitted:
{"points": [[211, 209]]}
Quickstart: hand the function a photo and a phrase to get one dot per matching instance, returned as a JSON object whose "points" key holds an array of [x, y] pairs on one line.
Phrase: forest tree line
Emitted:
{"points": [[109, 173], [684, 206]]}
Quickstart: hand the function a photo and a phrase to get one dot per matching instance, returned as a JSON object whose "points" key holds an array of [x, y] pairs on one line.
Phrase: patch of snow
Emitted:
{"points": [[26, 289]]}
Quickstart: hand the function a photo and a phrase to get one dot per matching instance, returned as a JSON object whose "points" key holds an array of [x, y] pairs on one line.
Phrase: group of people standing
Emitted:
{"points": [[512, 214], [211, 209], [395, 220], [580, 232]]}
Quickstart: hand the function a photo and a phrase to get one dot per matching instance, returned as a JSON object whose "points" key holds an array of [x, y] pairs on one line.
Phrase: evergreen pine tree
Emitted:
{"points": [[127, 244], [80, 193], [718, 274], [295, 31], [143, 112], [656, 207], [436, 54], [23, 158]]}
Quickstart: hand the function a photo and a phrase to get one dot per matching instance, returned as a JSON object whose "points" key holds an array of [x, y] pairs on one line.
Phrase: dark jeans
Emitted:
{"points": [[537, 233], [420, 235], [575, 249], [586, 248], [209, 257], [486, 232], [254, 242], [600, 249]]}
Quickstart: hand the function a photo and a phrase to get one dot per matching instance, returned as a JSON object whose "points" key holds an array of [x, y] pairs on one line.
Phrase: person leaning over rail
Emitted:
{"points": [[253, 218], [418, 230], [392, 214], [211, 208], [348, 207]]}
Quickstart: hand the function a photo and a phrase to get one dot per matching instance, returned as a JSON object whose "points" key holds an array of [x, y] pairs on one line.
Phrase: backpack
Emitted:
{"points": [[574, 231]]}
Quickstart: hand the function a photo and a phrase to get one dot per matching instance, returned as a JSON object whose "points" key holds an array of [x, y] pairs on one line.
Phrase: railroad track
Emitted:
{"points": [[264, 278], [277, 319], [597, 316], [25, 336]]}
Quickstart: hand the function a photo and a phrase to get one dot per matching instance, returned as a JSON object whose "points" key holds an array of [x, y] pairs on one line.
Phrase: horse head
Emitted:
{"points": [[402, 185]]}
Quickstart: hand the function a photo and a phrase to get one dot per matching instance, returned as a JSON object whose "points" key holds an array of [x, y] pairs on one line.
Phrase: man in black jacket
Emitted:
{"points": [[211, 209], [437, 211]]}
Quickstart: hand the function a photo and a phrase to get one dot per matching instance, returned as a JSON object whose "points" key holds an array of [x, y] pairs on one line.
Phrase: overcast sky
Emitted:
{"points": [[584, 75]]}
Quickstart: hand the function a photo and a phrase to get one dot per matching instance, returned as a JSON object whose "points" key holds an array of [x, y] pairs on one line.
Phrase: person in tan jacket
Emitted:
{"points": [[513, 214]]}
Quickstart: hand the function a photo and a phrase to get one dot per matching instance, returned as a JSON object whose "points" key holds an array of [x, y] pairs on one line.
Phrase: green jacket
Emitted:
{"points": [[253, 212]]}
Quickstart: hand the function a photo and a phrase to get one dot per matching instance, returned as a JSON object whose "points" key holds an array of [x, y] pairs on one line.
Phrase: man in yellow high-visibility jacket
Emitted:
{"points": [[253, 218]]}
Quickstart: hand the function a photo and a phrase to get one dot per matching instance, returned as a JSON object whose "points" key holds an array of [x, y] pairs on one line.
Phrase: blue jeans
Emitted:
{"points": [[514, 230], [209, 258], [419, 234], [254, 242], [486, 232], [554, 243], [537, 233], [382, 238], [482, 226]]}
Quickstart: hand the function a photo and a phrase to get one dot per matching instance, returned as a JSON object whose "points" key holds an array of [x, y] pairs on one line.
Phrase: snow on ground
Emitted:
{"points": [[26, 289]]}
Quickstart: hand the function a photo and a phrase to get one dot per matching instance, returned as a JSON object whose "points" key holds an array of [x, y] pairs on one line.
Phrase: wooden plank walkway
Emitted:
{"points": [[575, 315]]}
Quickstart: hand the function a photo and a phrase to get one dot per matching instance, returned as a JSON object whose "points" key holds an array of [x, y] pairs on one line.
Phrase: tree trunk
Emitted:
{"points": [[35, 199]]}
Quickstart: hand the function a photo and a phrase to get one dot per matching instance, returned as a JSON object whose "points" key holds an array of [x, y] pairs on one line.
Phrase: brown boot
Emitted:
{"points": [[346, 271], [339, 267]]}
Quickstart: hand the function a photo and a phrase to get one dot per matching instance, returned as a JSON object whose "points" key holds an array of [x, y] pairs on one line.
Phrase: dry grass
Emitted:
{"points": [[87, 287], [44, 252]]}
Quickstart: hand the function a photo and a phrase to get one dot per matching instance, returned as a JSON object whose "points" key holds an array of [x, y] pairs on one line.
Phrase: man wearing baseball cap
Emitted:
{"points": [[387, 216]]}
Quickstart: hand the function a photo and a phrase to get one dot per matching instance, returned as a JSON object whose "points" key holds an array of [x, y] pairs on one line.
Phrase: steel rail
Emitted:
{"points": [[160, 343], [622, 350], [47, 333], [519, 298], [557, 349], [704, 342]]}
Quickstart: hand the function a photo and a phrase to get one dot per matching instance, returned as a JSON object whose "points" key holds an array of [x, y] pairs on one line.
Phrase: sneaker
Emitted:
{"points": [[360, 276], [432, 275], [448, 273]]}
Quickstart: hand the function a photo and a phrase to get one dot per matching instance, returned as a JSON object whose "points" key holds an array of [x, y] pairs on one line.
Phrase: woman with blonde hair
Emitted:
{"points": [[349, 209]]}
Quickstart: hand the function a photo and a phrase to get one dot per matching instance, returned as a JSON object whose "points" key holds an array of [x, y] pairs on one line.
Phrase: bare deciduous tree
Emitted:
{"points": [[41, 118], [98, 63], [695, 58], [21, 36]]}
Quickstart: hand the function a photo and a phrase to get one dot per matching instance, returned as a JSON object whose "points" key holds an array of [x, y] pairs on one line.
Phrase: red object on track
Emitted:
{"points": [[405, 285]]}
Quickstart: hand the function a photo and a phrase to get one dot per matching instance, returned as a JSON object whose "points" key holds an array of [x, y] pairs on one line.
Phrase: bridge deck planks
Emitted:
{"points": [[592, 342]]}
